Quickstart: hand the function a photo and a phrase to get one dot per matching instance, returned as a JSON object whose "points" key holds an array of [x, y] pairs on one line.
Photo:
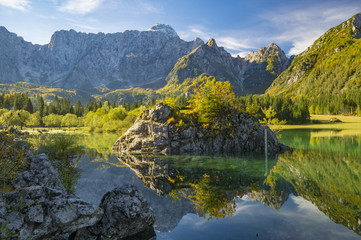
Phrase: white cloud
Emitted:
{"points": [[195, 31], [83, 25], [16, 4], [146, 7], [233, 43], [241, 54], [80, 6]]}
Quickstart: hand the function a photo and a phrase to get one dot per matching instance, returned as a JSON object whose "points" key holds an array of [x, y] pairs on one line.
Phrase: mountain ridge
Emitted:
{"points": [[76, 60], [331, 65], [252, 74], [158, 59]]}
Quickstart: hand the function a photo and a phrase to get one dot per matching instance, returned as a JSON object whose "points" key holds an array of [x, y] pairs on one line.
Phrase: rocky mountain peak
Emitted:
{"points": [[164, 28], [3, 30], [263, 54], [198, 41], [212, 43], [274, 46], [4, 33]]}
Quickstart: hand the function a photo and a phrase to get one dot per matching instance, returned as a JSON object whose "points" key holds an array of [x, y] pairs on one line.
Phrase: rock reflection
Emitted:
{"points": [[211, 184]]}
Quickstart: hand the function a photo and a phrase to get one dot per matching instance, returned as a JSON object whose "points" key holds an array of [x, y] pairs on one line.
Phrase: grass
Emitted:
{"points": [[349, 125], [56, 130]]}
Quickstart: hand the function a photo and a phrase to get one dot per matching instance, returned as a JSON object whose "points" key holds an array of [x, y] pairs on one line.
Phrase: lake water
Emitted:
{"points": [[310, 192]]}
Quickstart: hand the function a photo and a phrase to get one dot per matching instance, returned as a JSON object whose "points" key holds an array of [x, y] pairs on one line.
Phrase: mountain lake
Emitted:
{"points": [[310, 192]]}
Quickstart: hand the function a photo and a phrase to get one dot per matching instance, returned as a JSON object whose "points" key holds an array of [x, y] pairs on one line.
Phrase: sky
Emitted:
{"points": [[237, 25]]}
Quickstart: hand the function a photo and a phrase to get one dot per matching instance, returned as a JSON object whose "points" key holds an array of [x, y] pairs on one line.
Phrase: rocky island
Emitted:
{"points": [[154, 132]]}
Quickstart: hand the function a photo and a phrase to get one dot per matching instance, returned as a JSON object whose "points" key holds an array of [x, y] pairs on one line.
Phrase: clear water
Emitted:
{"points": [[311, 192]]}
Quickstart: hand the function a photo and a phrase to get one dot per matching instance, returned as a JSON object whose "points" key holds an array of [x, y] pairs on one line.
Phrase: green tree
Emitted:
{"points": [[78, 109], [70, 120], [18, 102], [214, 101], [52, 120], [28, 106], [18, 118], [34, 120], [253, 109], [270, 118]]}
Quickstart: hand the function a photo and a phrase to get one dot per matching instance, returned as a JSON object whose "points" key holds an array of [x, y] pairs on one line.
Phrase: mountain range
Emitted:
{"points": [[159, 59], [152, 58]]}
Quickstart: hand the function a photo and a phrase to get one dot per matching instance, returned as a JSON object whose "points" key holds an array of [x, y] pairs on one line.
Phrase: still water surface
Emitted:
{"points": [[311, 192]]}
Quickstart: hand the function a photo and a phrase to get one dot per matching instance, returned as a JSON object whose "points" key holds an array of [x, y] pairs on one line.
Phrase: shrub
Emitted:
{"points": [[12, 159], [64, 152]]}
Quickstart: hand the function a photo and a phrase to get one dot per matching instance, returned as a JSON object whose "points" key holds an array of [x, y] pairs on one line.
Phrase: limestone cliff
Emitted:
{"points": [[76, 60]]}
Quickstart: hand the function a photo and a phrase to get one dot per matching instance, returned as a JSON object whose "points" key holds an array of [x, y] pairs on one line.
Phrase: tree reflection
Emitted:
{"points": [[330, 180], [212, 201]]}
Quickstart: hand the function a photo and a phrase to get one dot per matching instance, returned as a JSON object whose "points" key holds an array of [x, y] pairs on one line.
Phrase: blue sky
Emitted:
{"points": [[237, 25]]}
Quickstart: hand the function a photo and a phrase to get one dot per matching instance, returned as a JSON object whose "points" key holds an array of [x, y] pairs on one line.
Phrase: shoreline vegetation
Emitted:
{"points": [[350, 125], [340, 125], [117, 115]]}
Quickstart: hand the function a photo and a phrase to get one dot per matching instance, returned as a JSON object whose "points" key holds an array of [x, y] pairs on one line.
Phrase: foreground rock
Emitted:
{"points": [[126, 213], [40, 212], [39, 172], [151, 134], [41, 209]]}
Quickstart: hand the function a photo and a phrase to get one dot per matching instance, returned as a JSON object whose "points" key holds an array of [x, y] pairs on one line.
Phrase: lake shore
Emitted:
{"points": [[348, 125]]}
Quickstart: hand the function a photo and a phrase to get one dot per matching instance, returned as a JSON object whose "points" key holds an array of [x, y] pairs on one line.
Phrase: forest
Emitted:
{"points": [[23, 110]]}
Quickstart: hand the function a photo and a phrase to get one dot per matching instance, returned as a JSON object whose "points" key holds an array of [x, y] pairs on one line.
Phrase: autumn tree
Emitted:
{"points": [[214, 101]]}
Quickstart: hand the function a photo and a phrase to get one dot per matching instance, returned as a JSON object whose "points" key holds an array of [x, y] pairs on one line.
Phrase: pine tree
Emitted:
{"points": [[78, 109], [18, 103], [41, 105], [28, 106]]}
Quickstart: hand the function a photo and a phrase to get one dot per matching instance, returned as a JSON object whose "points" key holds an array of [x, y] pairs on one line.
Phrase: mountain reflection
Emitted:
{"points": [[212, 184]]}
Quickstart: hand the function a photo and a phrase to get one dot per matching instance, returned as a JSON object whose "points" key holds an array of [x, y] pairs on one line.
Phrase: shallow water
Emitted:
{"points": [[311, 192]]}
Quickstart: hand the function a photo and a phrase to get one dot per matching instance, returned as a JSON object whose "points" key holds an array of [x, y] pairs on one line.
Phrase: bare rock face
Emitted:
{"points": [[39, 172], [149, 132], [40, 212], [151, 58], [77, 60], [356, 28], [157, 136], [126, 213]]}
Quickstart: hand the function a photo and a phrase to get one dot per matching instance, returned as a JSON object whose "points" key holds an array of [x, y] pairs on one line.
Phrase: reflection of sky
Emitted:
{"points": [[297, 219]]}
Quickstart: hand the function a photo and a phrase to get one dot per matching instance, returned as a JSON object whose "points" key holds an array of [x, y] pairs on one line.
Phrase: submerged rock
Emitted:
{"points": [[126, 213], [152, 134]]}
